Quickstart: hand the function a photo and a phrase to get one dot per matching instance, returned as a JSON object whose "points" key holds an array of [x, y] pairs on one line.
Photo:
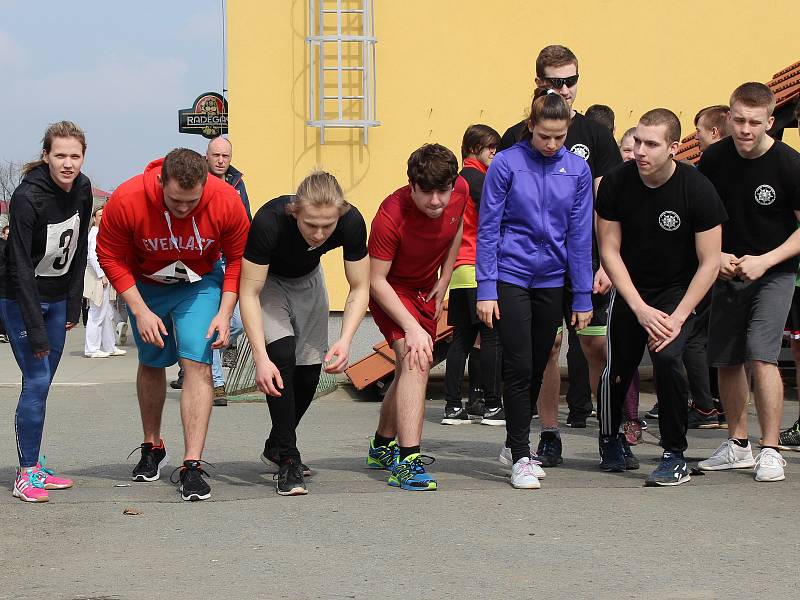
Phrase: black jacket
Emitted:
{"points": [[46, 245]]}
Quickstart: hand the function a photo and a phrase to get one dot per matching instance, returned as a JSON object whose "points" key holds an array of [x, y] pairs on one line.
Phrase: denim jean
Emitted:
{"points": [[37, 373], [216, 364]]}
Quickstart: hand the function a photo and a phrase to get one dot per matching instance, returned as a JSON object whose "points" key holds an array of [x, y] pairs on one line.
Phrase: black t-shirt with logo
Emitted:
{"points": [[659, 224], [276, 241], [586, 138], [760, 195]]}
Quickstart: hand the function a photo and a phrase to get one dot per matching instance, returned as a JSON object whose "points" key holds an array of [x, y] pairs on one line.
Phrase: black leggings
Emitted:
{"points": [[299, 385], [490, 364], [528, 322]]}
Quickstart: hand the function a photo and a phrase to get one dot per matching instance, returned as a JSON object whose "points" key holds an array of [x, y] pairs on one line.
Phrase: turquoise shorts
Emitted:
{"points": [[186, 310]]}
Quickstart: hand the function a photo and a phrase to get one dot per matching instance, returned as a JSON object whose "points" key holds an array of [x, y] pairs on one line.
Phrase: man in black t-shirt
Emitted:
{"points": [[557, 69], [659, 232], [284, 307], [758, 179]]}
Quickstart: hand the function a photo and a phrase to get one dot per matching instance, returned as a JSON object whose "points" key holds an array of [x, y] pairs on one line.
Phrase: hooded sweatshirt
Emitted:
{"points": [[535, 223], [46, 245], [140, 240]]}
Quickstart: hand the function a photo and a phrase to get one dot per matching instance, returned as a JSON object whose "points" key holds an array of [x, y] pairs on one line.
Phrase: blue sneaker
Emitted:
{"points": [[673, 470], [612, 454], [409, 474], [382, 457]]}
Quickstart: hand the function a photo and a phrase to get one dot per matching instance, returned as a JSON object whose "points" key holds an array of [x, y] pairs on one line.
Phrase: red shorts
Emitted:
{"points": [[423, 312]]}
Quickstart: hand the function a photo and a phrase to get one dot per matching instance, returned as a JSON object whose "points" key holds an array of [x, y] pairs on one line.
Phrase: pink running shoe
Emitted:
{"points": [[51, 480], [29, 485], [632, 430]]}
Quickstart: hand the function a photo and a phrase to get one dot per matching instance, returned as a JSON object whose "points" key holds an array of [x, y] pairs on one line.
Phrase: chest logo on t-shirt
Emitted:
{"points": [[581, 150], [765, 195], [669, 220]]}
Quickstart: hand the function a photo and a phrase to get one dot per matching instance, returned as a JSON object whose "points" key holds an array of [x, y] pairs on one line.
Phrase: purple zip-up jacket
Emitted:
{"points": [[536, 224]]}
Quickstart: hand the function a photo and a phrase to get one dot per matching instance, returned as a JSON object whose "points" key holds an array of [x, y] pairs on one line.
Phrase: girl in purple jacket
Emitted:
{"points": [[535, 228]]}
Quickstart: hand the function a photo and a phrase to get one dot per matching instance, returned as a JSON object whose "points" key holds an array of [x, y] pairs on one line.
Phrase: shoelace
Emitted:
{"points": [[43, 469], [416, 465], [35, 478], [195, 467], [139, 447], [770, 459], [295, 469], [527, 468]]}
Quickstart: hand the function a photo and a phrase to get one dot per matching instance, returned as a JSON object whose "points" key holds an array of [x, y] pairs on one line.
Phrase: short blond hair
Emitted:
{"points": [[320, 188]]}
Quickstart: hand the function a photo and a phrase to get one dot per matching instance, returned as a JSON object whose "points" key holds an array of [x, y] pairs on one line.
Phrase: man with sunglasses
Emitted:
{"points": [[557, 69]]}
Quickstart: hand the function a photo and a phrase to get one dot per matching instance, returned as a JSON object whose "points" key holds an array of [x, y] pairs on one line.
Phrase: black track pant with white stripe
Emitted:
{"points": [[627, 340]]}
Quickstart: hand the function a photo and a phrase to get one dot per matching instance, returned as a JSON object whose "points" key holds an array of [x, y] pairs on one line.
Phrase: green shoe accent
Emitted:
{"points": [[382, 457], [410, 474]]}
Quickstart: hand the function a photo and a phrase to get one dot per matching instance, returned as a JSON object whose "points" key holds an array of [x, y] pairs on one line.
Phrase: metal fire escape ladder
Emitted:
{"points": [[341, 93]]}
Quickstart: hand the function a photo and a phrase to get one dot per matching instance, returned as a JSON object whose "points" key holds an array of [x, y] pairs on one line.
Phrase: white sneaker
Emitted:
{"points": [[122, 333], [97, 354], [505, 459], [118, 352], [728, 456], [522, 475], [769, 465]]}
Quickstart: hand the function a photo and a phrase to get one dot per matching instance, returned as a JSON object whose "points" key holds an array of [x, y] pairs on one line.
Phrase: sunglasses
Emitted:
{"points": [[558, 82]]}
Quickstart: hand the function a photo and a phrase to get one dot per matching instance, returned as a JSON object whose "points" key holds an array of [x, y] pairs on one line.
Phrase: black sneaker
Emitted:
{"points": [[455, 415], [673, 470], [631, 462], [549, 449], [270, 457], [476, 408], [193, 487], [721, 420], [177, 384], [494, 415], [290, 479], [612, 454], [150, 464], [576, 422], [789, 439], [653, 412], [701, 419]]}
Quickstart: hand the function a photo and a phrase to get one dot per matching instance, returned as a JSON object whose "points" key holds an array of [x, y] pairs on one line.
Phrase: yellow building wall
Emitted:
{"points": [[445, 64]]}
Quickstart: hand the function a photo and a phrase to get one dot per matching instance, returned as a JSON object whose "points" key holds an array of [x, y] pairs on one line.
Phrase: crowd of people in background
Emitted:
{"points": [[553, 228]]}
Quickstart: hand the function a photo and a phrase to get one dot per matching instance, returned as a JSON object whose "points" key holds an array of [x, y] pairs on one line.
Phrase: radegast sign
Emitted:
{"points": [[207, 117]]}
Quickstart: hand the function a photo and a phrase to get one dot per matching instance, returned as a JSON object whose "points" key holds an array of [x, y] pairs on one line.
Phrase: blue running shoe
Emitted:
{"points": [[409, 474], [382, 457], [672, 471], [612, 454]]}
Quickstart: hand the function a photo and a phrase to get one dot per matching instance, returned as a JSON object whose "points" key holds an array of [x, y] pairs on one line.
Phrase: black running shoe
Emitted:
{"points": [[549, 450], [290, 479], [653, 412], [576, 422], [494, 415], [150, 464], [702, 419], [631, 462], [673, 470], [721, 420], [612, 454], [193, 487], [270, 457], [177, 384], [789, 439], [455, 415], [476, 408]]}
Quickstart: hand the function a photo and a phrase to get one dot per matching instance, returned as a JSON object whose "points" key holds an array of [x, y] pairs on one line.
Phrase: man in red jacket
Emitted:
{"points": [[160, 245]]}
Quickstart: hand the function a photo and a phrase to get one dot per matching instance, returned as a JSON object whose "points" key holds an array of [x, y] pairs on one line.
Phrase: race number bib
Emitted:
{"points": [[62, 240], [176, 272]]}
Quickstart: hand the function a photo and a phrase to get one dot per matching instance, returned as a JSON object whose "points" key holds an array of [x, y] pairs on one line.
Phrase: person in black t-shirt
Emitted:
{"points": [[659, 233], [758, 179], [557, 69], [284, 307]]}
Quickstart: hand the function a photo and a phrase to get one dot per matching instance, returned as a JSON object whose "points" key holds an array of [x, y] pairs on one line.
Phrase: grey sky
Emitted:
{"points": [[121, 70]]}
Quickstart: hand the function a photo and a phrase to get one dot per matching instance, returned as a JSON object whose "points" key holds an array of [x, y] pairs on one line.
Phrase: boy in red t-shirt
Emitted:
{"points": [[413, 244]]}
